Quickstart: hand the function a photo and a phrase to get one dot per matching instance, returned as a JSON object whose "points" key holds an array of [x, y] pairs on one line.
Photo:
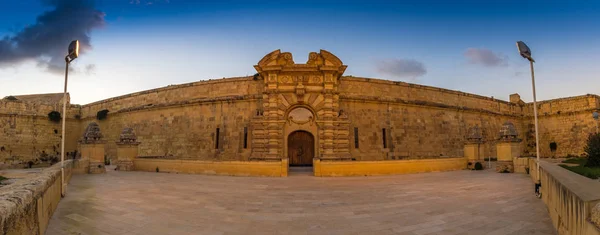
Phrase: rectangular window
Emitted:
{"points": [[245, 137], [217, 139], [384, 139], [356, 137]]}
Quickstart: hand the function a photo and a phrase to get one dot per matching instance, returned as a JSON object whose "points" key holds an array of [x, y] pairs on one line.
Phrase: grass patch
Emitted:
{"points": [[592, 173], [580, 161]]}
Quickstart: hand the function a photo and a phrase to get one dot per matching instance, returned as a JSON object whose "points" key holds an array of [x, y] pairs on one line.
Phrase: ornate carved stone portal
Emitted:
{"points": [[300, 97]]}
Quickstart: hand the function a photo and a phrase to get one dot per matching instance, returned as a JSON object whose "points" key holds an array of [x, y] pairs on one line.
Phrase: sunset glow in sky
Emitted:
{"points": [[135, 45]]}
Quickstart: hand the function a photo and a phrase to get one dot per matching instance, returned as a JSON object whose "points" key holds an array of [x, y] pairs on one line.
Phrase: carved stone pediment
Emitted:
{"points": [[127, 136], [283, 61], [92, 134], [508, 133]]}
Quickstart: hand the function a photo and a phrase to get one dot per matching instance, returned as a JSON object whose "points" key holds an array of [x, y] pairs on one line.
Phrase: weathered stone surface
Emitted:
{"points": [[508, 132], [20, 212], [595, 217], [127, 136], [92, 134], [474, 134], [505, 167]]}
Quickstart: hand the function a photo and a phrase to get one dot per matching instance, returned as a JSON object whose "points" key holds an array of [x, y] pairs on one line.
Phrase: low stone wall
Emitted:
{"points": [[521, 164], [27, 205], [233, 168], [393, 167], [570, 198]]}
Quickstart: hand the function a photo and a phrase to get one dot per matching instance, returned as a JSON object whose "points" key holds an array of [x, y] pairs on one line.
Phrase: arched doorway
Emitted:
{"points": [[301, 148]]}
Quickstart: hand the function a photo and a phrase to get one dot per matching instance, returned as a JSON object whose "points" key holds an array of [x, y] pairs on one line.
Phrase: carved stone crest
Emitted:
{"points": [[508, 132], [127, 136], [92, 134], [474, 134]]}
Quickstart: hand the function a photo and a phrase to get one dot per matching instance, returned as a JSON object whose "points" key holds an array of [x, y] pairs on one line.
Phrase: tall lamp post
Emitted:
{"points": [[526, 53], [595, 116], [72, 55]]}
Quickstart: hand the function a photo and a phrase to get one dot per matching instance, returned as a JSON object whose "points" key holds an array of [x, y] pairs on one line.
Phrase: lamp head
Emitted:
{"points": [[524, 51], [73, 51]]}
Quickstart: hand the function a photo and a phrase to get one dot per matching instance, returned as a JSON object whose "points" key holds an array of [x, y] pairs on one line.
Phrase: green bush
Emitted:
{"points": [[593, 173], [54, 116], [478, 166], [593, 150], [157, 169], [579, 160], [2, 178], [571, 156]]}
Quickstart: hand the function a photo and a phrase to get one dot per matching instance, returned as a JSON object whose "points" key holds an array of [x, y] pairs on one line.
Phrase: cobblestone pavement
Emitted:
{"points": [[459, 202]]}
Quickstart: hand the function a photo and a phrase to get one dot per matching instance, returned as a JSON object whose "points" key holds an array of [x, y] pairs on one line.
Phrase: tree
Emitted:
{"points": [[593, 150]]}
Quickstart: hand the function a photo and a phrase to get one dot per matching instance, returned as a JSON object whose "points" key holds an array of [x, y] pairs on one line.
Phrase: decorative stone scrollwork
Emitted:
{"points": [[92, 134], [127, 136], [508, 132], [300, 116], [474, 134]]}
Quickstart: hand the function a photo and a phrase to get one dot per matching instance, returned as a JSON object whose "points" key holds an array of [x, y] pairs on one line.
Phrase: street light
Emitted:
{"points": [[595, 116], [526, 53], [73, 53]]}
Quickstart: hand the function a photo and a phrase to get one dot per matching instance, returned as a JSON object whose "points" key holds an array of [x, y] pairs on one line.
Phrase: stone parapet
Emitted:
{"points": [[27, 205], [573, 200]]}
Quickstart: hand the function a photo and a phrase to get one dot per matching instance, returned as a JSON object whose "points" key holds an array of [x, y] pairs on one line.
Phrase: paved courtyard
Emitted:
{"points": [[459, 202]]}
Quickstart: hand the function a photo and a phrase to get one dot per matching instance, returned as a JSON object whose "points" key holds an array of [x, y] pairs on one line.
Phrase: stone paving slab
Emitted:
{"points": [[459, 202]]}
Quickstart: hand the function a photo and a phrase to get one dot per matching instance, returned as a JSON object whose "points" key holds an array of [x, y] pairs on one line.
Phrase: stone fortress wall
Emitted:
{"points": [[26, 132], [181, 121]]}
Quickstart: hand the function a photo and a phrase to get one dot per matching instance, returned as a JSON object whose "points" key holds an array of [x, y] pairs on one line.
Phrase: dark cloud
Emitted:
{"points": [[47, 40], [485, 57], [401, 68]]}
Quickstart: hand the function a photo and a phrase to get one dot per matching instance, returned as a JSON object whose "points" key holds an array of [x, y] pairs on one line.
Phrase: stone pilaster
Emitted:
{"points": [[127, 150], [92, 149], [473, 148], [507, 148]]}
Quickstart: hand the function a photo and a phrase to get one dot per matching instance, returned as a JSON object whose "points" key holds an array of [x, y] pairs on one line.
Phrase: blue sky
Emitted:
{"points": [[460, 45]]}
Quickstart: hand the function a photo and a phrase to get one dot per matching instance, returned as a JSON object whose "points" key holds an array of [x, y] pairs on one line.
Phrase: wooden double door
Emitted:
{"points": [[301, 148]]}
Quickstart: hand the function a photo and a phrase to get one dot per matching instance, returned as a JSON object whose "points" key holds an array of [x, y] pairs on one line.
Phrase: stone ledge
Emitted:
{"points": [[19, 202], [585, 188]]}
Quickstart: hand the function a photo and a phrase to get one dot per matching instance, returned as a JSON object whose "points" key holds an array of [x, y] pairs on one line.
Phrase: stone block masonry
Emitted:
{"points": [[248, 118]]}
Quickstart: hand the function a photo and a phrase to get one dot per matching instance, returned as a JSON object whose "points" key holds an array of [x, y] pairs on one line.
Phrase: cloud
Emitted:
{"points": [[401, 68], [90, 69], [47, 40], [485, 57]]}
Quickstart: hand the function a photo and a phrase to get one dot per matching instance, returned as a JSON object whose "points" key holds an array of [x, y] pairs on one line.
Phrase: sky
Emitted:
{"points": [[136, 45]]}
